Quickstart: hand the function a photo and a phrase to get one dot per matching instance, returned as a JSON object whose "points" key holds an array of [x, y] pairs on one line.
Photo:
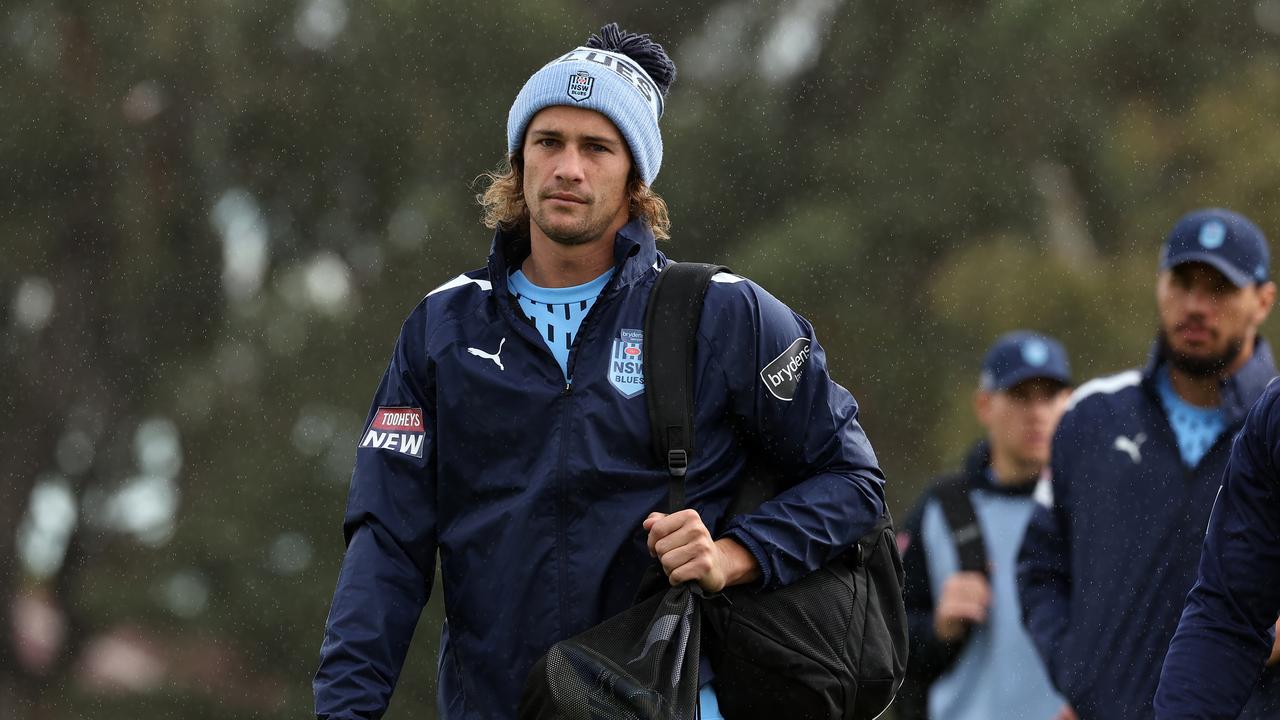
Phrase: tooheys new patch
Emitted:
{"points": [[395, 428], [782, 375]]}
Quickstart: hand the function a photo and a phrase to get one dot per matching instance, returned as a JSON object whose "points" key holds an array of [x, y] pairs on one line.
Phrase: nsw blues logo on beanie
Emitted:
{"points": [[580, 86]]}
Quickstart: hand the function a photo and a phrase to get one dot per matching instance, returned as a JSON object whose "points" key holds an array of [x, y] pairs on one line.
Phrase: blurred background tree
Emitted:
{"points": [[217, 213]]}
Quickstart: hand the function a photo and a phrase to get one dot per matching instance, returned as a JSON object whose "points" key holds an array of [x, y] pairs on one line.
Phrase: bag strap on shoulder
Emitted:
{"points": [[966, 534], [670, 338]]}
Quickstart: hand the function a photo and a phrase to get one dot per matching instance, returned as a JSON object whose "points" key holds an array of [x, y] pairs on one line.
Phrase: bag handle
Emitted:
{"points": [[670, 338]]}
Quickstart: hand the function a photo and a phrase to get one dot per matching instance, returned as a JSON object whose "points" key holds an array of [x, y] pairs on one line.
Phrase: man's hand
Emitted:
{"points": [[687, 552], [965, 599], [1066, 713]]}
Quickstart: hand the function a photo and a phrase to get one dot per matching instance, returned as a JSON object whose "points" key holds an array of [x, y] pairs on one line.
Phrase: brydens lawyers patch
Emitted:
{"points": [[395, 428], [580, 85], [783, 374], [626, 371]]}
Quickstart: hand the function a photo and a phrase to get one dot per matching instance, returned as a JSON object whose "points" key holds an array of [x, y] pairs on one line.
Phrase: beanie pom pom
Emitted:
{"points": [[648, 54]]}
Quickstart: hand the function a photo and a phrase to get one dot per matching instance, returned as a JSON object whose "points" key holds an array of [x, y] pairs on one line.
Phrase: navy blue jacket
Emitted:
{"points": [[1103, 572], [532, 492], [1226, 629]]}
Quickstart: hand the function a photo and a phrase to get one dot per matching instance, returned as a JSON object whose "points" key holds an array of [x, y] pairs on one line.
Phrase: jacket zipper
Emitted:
{"points": [[562, 480], [586, 325], [562, 508], [525, 325]]}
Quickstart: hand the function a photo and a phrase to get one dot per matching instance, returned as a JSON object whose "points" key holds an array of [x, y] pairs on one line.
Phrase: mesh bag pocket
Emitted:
{"points": [[641, 664]]}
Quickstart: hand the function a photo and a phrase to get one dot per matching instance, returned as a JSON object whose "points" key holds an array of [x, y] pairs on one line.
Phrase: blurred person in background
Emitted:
{"points": [[1226, 637], [1108, 559], [510, 433], [971, 658]]}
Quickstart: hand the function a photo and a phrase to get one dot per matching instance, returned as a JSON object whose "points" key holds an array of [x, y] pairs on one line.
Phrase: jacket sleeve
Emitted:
{"points": [[806, 424], [1225, 634], [928, 657], [390, 531], [1044, 560]]}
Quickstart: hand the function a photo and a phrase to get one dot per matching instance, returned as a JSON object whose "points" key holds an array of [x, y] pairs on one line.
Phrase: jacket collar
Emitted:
{"points": [[635, 252], [977, 461], [1237, 392]]}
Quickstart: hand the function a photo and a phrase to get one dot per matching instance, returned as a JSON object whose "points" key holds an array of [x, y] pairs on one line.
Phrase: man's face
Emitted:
{"points": [[1205, 321], [1020, 421], [576, 167]]}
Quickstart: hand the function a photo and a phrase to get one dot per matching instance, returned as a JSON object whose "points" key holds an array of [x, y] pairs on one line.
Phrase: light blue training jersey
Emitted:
{"points": [[557, 312], [1195, 428], [999, 674]]}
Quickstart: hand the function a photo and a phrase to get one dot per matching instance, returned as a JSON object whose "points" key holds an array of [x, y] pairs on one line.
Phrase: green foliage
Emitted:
{"points": [[1104, 314], [940, 173]]}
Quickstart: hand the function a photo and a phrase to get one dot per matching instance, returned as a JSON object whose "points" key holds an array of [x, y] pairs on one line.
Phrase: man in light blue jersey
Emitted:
{"points": [[971, 658]]}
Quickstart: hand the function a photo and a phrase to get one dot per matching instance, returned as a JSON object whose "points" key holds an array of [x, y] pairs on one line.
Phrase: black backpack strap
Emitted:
{"points": [[670, 338], [966, 534]]}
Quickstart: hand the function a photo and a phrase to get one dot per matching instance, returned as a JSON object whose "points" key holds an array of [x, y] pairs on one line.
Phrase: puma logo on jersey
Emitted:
{"points": [[1130, 447], [495, 356]]}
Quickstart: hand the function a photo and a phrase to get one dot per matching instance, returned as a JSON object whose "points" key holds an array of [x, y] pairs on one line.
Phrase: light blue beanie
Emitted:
{"points": [[609, 83]]}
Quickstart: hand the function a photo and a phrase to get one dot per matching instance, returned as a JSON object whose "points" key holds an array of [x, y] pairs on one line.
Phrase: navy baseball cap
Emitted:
{"points": [[1024, 355], [1228, 241]]}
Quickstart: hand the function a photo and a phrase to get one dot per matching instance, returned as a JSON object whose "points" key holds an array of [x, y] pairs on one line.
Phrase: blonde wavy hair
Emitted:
{"points": [[505, 209]]}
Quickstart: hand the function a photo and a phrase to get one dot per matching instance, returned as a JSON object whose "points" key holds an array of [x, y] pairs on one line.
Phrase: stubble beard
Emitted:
{"points": [[1201, 366], [564, 237], [583, 231]]}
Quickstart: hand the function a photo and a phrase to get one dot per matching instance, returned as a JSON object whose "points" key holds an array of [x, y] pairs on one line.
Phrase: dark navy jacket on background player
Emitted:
{"points": [[1103, 572], [533, 491], [1226, 633]]}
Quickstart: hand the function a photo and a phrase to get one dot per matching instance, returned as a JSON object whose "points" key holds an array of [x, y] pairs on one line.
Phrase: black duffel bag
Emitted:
{"points": [[832, 646]]}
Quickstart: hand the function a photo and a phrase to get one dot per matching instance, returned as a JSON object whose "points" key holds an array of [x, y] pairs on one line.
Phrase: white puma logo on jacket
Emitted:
{"points": [[494, 356], [1131, 447]]}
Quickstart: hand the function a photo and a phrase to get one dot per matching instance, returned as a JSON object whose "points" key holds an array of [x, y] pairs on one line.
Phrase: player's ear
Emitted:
{"points": [[1266, 299], [982, 406]]}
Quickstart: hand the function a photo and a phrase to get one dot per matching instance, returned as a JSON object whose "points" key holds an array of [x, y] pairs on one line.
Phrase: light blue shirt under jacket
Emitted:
{"points": [[1195, 428], [998, 673]]}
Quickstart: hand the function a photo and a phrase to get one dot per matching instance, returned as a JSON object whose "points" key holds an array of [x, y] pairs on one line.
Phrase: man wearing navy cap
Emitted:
{"points": [[970, 657], [1137, 461]]}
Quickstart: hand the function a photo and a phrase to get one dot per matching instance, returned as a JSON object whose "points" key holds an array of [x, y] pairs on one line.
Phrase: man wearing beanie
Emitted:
{"points": [[970, 657], [510, 437], [1137, 461]]}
